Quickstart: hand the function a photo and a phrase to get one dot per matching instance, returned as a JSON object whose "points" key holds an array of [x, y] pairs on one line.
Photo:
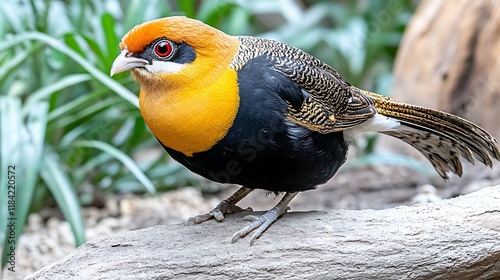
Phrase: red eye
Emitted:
{"points": [[163, 48]]}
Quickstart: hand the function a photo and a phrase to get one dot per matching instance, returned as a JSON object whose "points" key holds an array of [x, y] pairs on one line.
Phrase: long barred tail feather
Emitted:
{"points": [[441, 137]]}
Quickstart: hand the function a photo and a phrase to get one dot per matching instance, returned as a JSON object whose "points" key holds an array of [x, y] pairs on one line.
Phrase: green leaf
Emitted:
{"points": [[64, 193], [10, 141], [134, 13], [123, 158], [86, 113], [98, 51], [212, 11], [188, 7], [15, 62], [45, 92], [138, 133], [77, 104], [58, 45], [71, 41], [22, 148], [33, 143], [10, 11], [112, 41], [81, 173]]}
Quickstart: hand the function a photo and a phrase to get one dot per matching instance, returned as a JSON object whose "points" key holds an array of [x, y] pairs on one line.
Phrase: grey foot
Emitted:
{"points": [[217, 213], [226, 206], [261, 223]]}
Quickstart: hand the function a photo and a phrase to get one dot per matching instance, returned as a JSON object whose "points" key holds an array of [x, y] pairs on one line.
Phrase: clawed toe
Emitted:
{"points": [[260, 224], [226, 206], [205, 217], [217, 214]]}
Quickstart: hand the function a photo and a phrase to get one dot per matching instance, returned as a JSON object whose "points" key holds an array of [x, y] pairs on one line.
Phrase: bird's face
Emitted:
{"points": [[173, 52], [161, 57]]}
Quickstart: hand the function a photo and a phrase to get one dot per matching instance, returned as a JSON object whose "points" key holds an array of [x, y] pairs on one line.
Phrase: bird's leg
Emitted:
{"points": [[261, 223], [226, 206]]}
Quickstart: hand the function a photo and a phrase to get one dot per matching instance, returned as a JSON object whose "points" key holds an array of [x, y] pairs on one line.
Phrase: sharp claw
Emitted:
{"points": [[235, 237], [199, 219], [217, 214], [256, 224], [262, 223], [254, 237], [225, 206], [251, 218]]}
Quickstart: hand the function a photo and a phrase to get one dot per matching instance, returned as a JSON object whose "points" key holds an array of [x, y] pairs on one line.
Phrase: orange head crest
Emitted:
{"points": [[178, 29]]}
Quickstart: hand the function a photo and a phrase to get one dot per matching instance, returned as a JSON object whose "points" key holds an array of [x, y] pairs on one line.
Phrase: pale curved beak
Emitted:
{"points": [[125, 61]]}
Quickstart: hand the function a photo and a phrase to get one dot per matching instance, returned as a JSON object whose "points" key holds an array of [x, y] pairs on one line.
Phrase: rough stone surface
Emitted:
{"points": [[452, 239]]}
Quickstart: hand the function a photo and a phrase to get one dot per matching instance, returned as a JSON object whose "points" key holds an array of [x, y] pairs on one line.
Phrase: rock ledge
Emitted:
{"points": [[454, 239]]}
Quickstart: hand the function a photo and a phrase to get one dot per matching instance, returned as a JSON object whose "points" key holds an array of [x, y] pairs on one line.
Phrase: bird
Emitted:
{"points": [[263, 114]]}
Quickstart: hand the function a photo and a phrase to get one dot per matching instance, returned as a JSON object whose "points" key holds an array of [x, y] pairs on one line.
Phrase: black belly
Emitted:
{"points": [[263, 149], [270, 163]]}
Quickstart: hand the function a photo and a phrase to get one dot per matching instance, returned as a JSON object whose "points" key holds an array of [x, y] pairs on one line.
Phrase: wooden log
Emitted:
{"points": [[453, 239]]}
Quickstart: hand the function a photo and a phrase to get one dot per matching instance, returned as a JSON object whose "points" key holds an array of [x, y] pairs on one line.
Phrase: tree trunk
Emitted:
{"points": [[449, 60], [452, 239]]}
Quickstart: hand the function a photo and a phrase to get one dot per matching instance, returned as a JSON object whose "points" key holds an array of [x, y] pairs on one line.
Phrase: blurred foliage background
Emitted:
{"points": [[75, 135]]}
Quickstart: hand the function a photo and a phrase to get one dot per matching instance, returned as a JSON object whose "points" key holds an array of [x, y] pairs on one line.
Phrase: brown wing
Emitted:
{"points": [[331, 103]]}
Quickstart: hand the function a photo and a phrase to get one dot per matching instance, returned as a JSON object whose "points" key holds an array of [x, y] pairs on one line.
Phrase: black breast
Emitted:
{"points": [[263, 149]]}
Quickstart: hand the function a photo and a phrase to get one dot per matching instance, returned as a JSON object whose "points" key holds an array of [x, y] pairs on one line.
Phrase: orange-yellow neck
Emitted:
{"points": [[192, 109], [192, 120]]}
